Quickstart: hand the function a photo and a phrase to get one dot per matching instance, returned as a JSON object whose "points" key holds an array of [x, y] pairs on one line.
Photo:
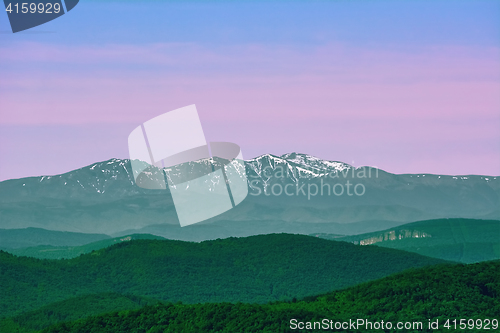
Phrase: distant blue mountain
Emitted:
{"points": [[103, 198], [18, 238]]}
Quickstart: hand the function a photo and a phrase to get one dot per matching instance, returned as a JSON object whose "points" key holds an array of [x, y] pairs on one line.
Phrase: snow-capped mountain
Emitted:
{"points": [[295, 165], [109, 178], [299, 188], [114, 178], [313, 163]]}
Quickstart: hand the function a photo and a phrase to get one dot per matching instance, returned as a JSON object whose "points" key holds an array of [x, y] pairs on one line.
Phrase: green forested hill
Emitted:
{"points": [[437, 293], [461, 240], [68, 252], [254, 269], [72, 309]]}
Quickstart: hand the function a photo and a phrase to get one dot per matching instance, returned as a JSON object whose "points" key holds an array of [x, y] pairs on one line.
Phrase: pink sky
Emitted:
{"points": [[422, 110]]}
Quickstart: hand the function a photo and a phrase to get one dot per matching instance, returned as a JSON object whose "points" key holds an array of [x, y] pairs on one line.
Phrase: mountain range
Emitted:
{"points": [[108, 235], [103, 198], [460, 240]]}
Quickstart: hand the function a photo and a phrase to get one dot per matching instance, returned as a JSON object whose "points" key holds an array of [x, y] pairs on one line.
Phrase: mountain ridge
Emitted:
{"points": [[26, 237], [103, 197], [48, 251], [462, 240]]}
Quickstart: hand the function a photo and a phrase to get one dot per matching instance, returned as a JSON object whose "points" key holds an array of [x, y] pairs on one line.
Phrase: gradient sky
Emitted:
{"points": [[407, 86]]}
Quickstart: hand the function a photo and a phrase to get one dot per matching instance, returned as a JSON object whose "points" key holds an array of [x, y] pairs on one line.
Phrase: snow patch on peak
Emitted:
{"points": [[267, 157], [313, 162], [299, 157], [264, 156]]}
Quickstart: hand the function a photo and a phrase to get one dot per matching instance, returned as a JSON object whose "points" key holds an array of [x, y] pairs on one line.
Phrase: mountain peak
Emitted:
{"points": [[293, 155], [312, 162]]}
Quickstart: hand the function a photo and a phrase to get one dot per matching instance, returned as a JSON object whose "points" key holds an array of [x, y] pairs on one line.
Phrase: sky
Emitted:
{"points": [[406, 86]]}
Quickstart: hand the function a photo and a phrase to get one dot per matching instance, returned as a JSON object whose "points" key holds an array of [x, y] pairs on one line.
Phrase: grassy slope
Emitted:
{"points": [[254, 269]]}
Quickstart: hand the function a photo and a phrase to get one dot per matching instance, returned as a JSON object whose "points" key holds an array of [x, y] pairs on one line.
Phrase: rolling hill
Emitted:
{"points": [[253, 269], [72, 309], [437, 294], [68, 252], [462, 240], [231, 228]]}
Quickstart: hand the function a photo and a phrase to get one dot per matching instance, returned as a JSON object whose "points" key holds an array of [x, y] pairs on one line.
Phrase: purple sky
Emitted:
{"points": [[426, 108]]}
